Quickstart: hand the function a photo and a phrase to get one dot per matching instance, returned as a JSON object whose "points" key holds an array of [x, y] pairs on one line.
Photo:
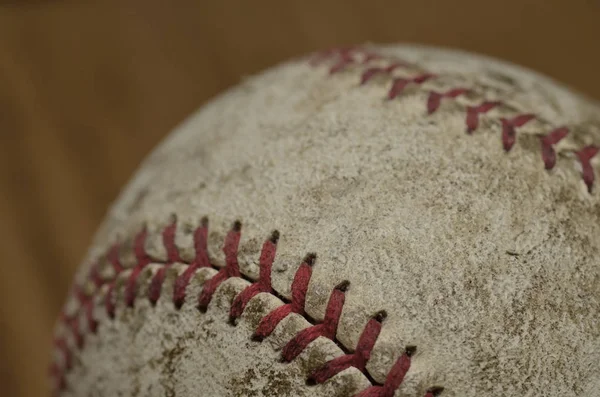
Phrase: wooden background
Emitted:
{"points": [[88, 88]]}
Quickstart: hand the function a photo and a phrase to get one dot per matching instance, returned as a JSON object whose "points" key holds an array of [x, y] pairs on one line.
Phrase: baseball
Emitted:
{"points": [[374, 221]]}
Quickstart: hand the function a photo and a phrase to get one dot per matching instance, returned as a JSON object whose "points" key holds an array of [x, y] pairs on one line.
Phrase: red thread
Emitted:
{"points": [[231, 269], [95, 277], [72, 323], [509, 133], [293, 348], [585, 156], [89, 313], [88, 308], [327, 328], [263, 284], [143, 260], [547, 142], [299, 287], [61, 346], [372, 72], [168, 236], [370, 56], [359, 358], [394, 378], [109, 301], [113, 258], [201, 260], [345, 58], [342, 58], [324, 55], [435, 98], [398, 84], [474, 111]]}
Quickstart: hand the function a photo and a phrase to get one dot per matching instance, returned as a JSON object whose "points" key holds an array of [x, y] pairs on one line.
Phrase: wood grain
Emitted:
{"points": [[88, 88]]}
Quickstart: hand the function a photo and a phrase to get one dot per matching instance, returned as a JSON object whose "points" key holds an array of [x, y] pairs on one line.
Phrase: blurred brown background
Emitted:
{"points": [[88, 88]]}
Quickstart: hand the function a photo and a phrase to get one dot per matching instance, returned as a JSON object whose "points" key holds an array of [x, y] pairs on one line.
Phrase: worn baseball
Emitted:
{"points": [[370, 222]]}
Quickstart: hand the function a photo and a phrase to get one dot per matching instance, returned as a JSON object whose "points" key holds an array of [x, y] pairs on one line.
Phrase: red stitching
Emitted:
{"points": [[327, 328], [585, 156], [359, 358], [143, 260], [95, 277], [263, 284], [172, 257], [231, 269], [345, 60], [299, 287], [88, 307], [474, 111], [435, 98], [398, 84], [113, 258], [509, 133], [61, 345], [201, 260], [547, 142], [344, 57], [395, 377], [349, 56], [109, 301], [324, 55], [372, 72]]}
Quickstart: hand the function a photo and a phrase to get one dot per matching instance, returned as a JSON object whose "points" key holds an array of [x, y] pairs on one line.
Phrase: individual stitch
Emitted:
{"points": [[394, 378], [72, 322], [509, 133], [372, 72], [267, 256], [168, 237], [142, 260], [113, 258], [473, 113], [435, 98], [88, 307], [299, 287], [361, 354], [326, 329], [585, 156], [547, 142], [399, 83], [201, 260], [231, 269], [348, 57], [61, 345]]}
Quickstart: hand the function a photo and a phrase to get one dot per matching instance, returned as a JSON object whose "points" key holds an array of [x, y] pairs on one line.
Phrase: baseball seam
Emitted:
{"points": [[345, 58], [342, 59], [327, 328]]}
